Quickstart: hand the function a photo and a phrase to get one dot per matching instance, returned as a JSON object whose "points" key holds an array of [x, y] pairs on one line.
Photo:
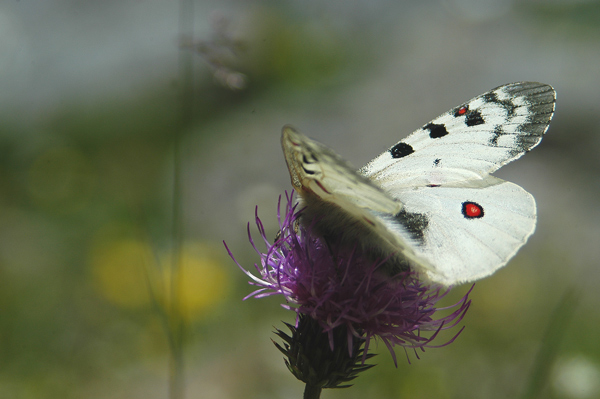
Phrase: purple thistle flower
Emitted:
{"points": [[343, 287], [343, 299]]}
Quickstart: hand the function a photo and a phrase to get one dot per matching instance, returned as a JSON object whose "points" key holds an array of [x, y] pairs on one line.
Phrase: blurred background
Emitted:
{"points": [[97, 129]]}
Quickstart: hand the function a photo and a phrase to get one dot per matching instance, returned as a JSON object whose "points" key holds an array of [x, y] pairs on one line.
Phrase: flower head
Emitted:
{"points": [[342, 288]]}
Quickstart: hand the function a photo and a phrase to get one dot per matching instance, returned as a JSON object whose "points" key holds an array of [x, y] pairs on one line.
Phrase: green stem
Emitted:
{"points": [[176, 323], [312, 391]]}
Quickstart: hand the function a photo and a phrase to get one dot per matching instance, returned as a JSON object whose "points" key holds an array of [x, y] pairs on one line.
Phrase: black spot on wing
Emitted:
{"points": [[308, 171], [497, 133], [490, 97], [414, 223], [306, 160], [436, 162], [474, 118], [436, 131], [507, 104], [401, 150]]}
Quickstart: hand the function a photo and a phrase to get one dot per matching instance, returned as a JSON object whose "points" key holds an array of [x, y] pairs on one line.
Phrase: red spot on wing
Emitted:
{"points": [[461, 111], [472, 210]]}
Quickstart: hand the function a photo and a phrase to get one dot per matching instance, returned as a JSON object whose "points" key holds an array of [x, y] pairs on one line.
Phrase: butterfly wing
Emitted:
{"points": [[338, 202], [318, 172], [470, 141], [470, 224], [467, 232]]}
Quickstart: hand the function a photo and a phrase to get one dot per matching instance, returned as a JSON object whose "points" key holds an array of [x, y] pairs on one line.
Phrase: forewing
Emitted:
{"points": [[470, 141], [319, 174]]}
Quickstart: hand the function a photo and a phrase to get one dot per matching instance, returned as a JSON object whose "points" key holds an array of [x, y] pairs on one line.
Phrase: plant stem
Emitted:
{"points": [[176, 323], [312, 391]]}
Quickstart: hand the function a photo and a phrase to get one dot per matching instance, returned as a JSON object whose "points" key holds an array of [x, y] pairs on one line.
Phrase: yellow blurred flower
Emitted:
{"points": [[126, 273], [121, 271], [202, 282]]}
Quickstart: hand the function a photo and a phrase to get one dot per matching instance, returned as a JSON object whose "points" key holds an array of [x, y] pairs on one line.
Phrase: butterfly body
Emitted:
{"points": [[429, 202]]}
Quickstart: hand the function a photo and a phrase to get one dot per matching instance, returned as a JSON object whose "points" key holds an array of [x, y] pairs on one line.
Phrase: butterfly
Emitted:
{"points": [[429, 203]]}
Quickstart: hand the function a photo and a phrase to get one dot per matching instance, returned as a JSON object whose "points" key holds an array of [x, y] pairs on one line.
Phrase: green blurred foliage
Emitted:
{"points": [[85, 210]]}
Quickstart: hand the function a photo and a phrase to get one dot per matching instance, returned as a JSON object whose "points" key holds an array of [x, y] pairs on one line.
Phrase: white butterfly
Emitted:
{"points": [[429, 202]]}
